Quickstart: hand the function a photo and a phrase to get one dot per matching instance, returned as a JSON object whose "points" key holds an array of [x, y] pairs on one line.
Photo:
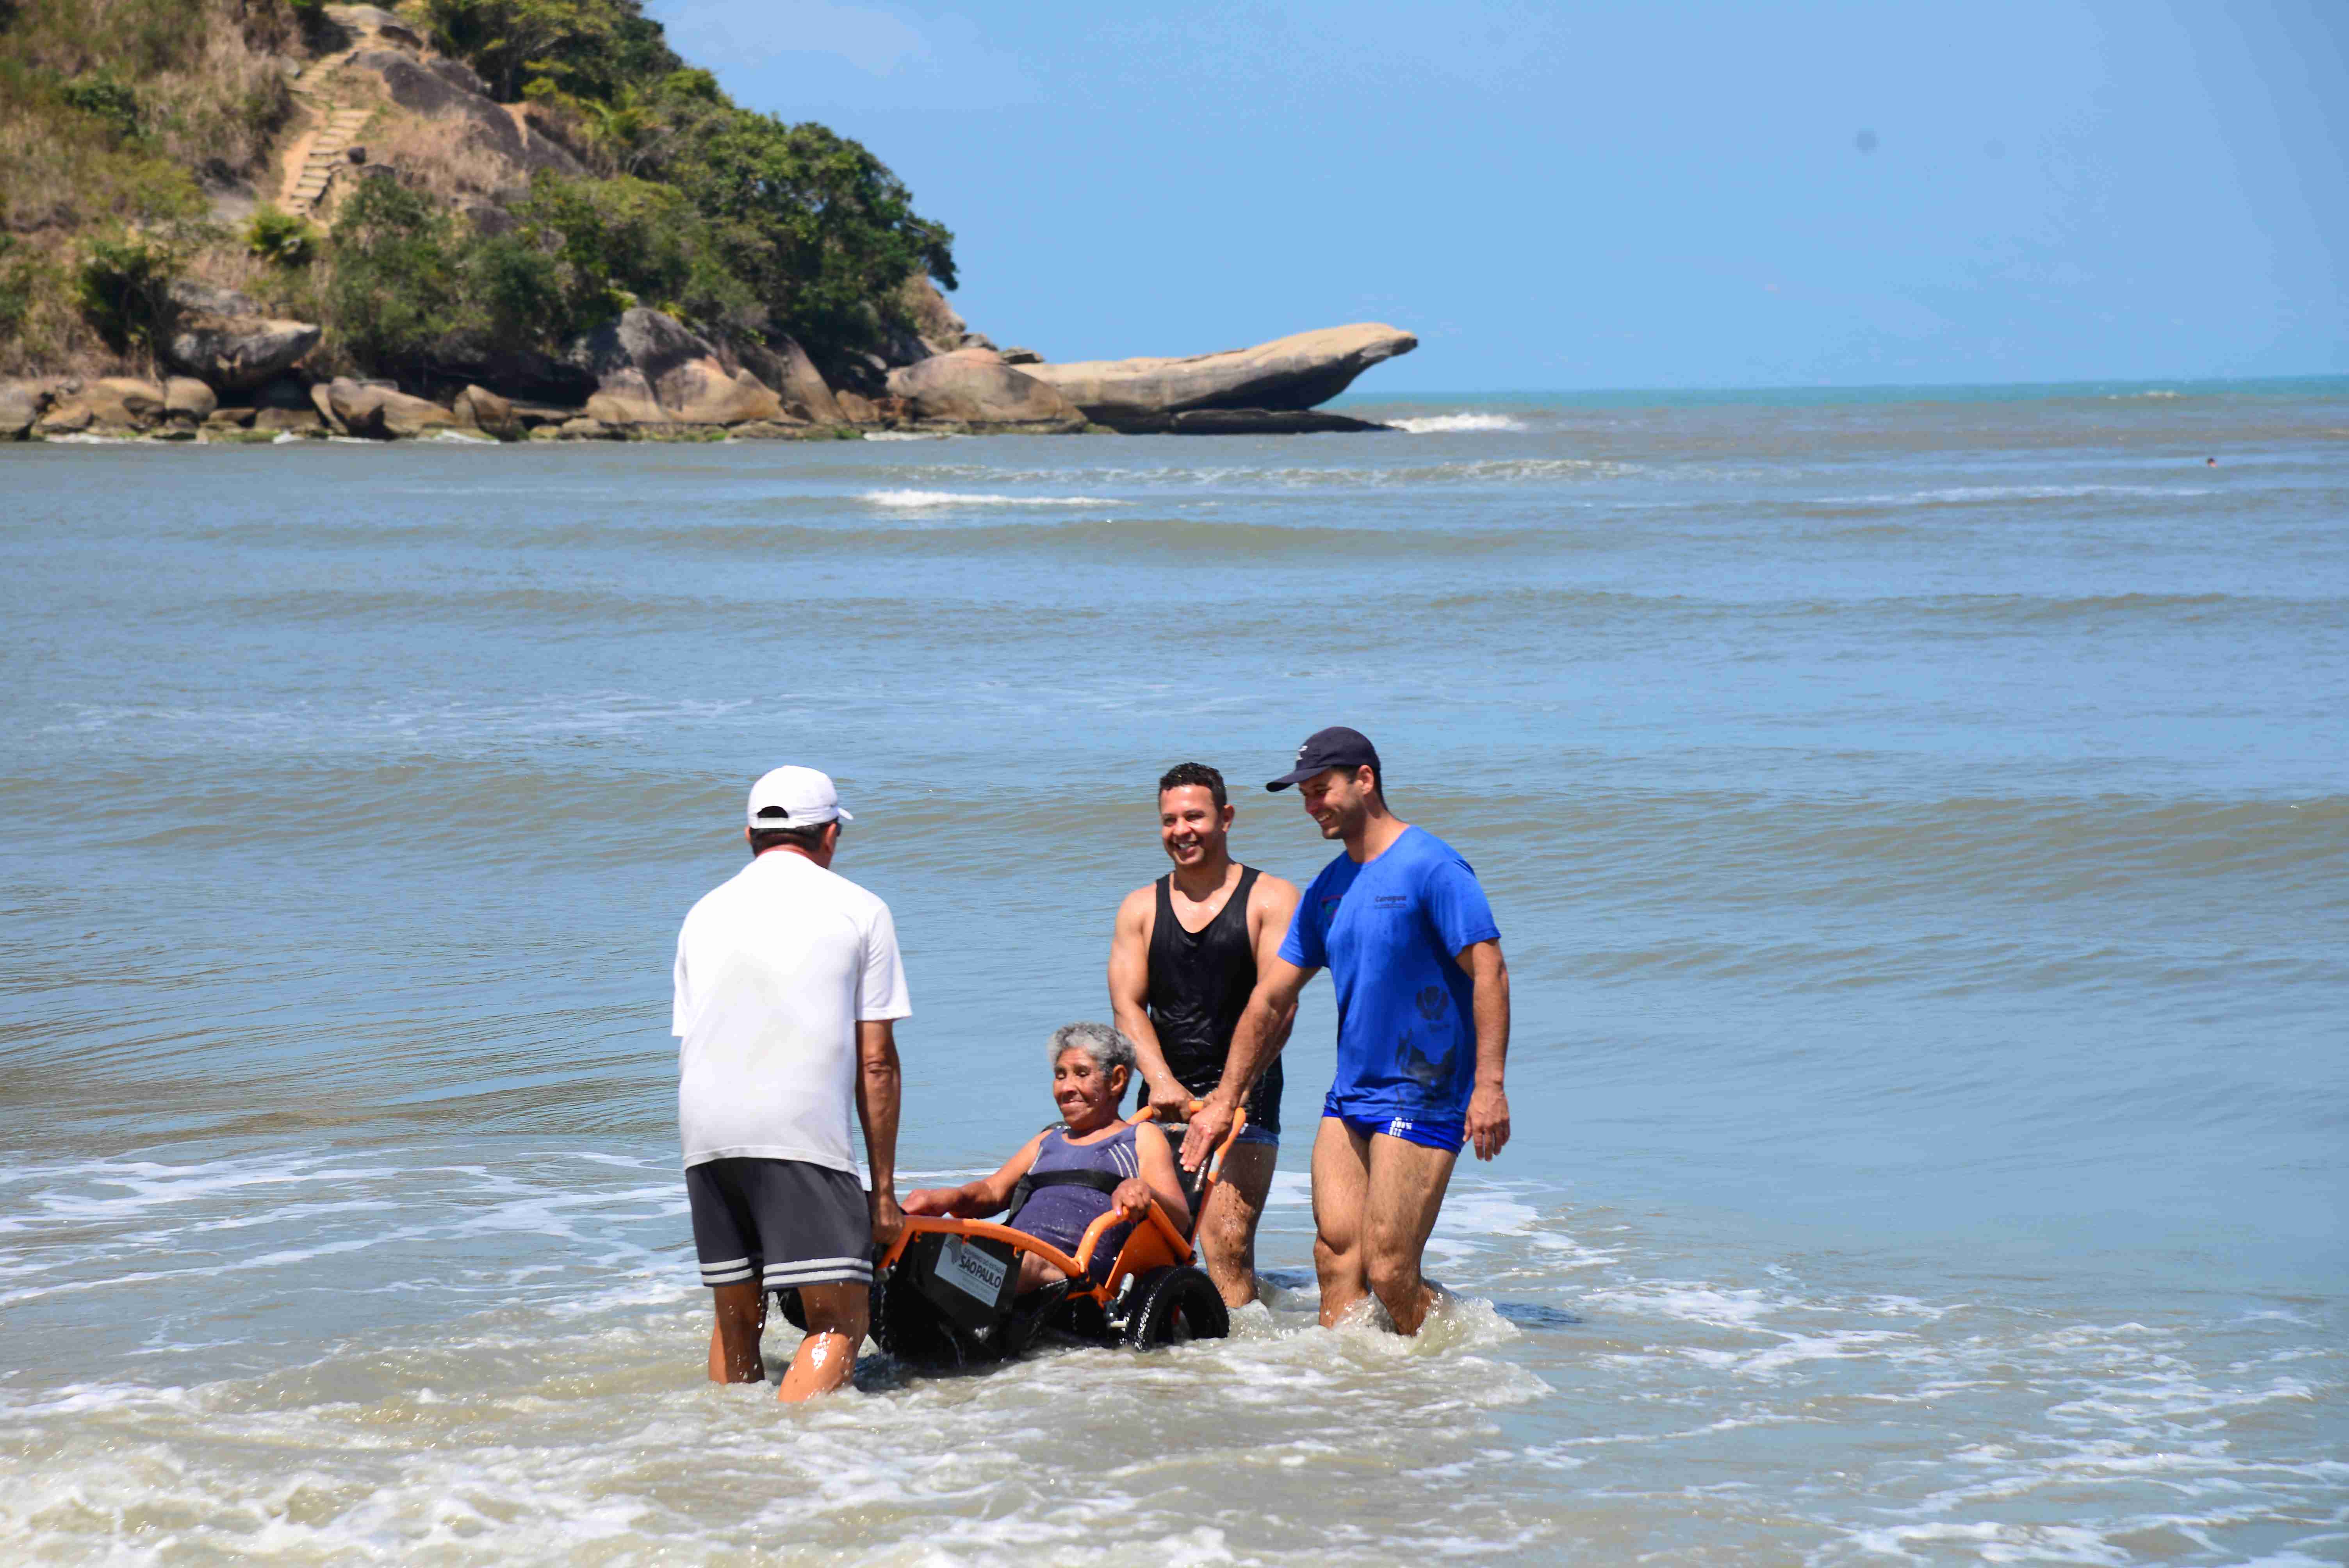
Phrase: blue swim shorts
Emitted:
{"points": [[1447, 1134]]}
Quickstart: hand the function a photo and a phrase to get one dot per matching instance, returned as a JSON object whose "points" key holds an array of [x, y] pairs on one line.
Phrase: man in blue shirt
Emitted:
{"points": [[1402, 927]]}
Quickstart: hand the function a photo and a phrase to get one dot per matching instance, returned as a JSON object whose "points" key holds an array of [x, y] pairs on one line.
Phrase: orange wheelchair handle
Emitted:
{"points": [[1155, 1215], [1192, 1108]]}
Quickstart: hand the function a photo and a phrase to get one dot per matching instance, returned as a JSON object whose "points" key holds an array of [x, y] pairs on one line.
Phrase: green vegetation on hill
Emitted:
{"points": [[120, 121]]}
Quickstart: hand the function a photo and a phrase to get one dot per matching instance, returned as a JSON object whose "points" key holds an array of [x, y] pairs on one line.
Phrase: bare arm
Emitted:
{"points": [[978, 1199], [878, 1096], [1129, 1002], [1276, 906], [1488, 1103], [1159, 1180], [1262, 1030]]}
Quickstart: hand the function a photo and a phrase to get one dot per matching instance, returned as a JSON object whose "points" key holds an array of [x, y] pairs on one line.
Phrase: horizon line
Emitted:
{"points": [[2340, 376]]}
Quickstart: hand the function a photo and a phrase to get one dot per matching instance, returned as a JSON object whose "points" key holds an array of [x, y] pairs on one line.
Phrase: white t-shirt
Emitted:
{"points": [[774, 970]]}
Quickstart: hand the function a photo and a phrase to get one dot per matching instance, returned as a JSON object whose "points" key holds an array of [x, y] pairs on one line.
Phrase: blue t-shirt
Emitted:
{"points": [[1389, 932]]}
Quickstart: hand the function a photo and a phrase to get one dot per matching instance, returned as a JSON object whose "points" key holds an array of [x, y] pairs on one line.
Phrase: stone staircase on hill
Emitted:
{"points": [[312, 162], [325, 156]]}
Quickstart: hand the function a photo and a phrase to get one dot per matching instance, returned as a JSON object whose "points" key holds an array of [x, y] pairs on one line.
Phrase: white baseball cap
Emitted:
{"points": [[803, 797]]}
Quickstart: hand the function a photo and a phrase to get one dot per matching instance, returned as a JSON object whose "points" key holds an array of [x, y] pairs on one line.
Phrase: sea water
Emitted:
{"points": [[1918, 824]]}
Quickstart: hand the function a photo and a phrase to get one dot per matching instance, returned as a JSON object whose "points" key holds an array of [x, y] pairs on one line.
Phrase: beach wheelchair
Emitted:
{"points": [[943, 1296]]}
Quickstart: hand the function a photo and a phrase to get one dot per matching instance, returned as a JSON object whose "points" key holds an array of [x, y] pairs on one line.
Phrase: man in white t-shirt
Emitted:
{"points": [[788, 981]]}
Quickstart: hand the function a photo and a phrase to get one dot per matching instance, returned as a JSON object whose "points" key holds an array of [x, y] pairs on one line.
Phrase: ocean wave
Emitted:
{"points": [[1976, 495], [1449, 424], [913, 499]]}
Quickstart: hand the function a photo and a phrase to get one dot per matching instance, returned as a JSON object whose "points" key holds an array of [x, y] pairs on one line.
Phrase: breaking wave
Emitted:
{"points": [[927, 498], [1450, 424]]}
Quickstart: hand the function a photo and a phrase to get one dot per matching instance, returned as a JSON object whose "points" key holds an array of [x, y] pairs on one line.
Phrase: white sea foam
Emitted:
{"points": [[927, 498], [510, 1374], [1454, 424], [1959, 495], [910, 436]]}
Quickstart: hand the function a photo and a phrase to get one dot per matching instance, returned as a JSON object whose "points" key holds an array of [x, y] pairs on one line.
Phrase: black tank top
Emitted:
{"points": [[1199, 985]]}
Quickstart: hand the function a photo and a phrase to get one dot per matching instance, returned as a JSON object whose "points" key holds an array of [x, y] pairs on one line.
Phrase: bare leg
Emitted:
{"points": [[734, 1337], [1341, 1181], [1407, 1181], [837, 1316], [1035, 1273], [1227, 1230]]}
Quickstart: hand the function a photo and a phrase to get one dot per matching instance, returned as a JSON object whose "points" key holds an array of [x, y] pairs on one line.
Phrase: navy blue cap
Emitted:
{"points": [[1335, 747]]}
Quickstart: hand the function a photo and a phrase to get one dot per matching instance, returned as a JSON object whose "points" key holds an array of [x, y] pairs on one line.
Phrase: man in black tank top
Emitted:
{"points": [[1182, 964]]}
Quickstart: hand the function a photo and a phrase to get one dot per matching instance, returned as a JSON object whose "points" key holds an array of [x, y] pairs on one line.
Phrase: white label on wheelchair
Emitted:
{"points": [[972, 1272]]}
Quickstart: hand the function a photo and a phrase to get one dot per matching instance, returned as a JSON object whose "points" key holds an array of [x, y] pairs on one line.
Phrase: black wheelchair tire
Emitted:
{"points": [[1169, 1303]]}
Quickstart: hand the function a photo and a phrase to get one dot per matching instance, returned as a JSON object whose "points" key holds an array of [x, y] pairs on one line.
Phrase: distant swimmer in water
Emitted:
{"points": [[787, 988], [1402, 925], [2209, 462], [1076, 1172], [1184, 958]]}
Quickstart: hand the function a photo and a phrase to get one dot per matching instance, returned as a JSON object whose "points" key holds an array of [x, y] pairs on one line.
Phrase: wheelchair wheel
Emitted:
{"points": [[1172, 1306]]}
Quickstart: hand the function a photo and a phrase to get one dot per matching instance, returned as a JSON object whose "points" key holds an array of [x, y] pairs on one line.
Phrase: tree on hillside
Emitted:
{"points": [[588, 49]]}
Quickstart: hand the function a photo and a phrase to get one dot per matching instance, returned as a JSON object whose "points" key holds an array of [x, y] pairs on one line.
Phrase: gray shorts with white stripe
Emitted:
{"points": [[784, 1223]]}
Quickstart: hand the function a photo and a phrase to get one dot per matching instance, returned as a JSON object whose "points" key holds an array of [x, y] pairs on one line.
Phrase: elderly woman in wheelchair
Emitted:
{"points": [[1097, 1241]]}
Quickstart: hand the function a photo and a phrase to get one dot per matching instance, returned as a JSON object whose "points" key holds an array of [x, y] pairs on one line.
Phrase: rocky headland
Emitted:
{"points": [[422, 232]]}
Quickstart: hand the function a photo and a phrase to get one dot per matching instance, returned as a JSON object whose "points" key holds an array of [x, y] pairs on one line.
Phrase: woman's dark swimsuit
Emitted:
{"points": [[1059, 1211]]}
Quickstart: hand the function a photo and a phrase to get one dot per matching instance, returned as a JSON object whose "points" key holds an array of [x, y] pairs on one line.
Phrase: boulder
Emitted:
{"points": [[299, 421], [120, 403], [1022, 356], [785, 366], [974, 387], [1265, 422], [478, 409], [21, 403], [651, 370], [938, 325], [591, 430], [1289, 373], [862, 410], [361, 21], [449, 90], [229, 419], [384, 413], [544, 416], [228, 341], [64, 417], [402, 417], [523, 374], [187, 400], [624, 404]]}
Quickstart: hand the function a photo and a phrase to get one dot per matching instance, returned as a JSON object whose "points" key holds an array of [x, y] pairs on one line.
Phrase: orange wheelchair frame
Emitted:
{"points": [[1154, 1292]]}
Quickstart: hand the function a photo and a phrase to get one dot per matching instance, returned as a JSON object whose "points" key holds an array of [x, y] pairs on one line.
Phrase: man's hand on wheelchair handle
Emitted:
{"points": [[1210, 1124]]}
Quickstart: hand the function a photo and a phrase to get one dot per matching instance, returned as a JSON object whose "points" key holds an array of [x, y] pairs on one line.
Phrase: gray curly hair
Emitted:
{"points": [[1108, 1046]]}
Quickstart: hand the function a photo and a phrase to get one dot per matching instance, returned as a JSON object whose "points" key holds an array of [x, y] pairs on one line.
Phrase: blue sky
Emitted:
{"points": [[1611, 194]]}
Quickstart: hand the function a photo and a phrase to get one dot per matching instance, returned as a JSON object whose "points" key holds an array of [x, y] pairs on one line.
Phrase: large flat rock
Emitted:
{"points": [[974, 387], [1290, 372]]}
